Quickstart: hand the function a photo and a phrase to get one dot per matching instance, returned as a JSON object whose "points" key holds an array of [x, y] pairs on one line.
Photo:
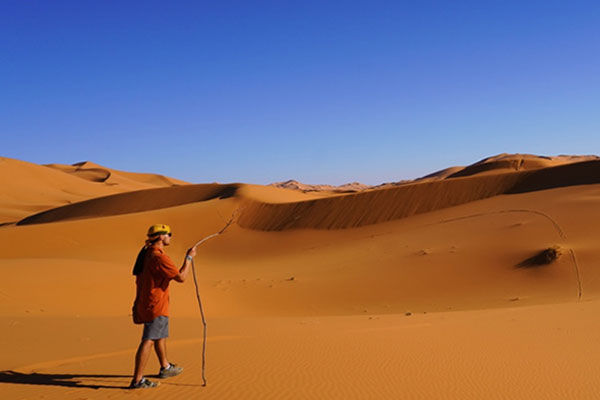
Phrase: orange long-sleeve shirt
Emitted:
{"points": [[152, 285]]}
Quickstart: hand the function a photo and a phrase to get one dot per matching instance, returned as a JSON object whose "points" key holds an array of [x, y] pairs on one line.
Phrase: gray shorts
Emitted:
{"points": [[157, 329]]}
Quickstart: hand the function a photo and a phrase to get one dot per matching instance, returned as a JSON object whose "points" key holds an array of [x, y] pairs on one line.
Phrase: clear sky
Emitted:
{"points": [[319, 91]]}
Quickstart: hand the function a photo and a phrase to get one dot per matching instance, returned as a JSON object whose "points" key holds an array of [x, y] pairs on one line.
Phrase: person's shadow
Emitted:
{"points": [[67, 380]]}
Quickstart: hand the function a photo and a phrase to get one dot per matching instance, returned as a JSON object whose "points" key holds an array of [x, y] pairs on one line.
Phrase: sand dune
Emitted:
{"points": [[387, 204], [28, 188], [418, 291], [263, 210], [91, 171], [517, 162], [151, 199], [131, 202], [345, 188], [500, 163], [91, 174]]}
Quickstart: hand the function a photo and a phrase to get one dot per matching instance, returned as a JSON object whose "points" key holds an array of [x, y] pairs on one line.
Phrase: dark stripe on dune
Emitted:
{"points": [[382, 205], [131, 202], [582, 173], [92, 174], [489, 166]]}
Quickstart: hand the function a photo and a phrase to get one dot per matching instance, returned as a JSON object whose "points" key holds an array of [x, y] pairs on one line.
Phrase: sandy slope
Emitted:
{"points": [[28, 188], [500, 163], [419, 305], [376, 206], [97, 173], [539, 352], [490, 165]]}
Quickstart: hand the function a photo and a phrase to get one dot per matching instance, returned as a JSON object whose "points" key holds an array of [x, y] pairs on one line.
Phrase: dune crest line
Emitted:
{"points": [[132, 202], [382, 205], [334, 212]]}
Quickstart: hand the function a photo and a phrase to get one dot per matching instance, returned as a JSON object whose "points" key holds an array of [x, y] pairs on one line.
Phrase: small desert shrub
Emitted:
{"points": [[544, 257]]}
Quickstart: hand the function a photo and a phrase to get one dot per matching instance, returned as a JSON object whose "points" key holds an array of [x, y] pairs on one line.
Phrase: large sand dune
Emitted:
{"points": [[419, 291], [28, 188], [380, 205], [97, 173]]}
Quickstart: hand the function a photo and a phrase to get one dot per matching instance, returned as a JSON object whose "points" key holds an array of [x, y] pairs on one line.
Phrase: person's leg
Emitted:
{"points": [[141, 358], [160, 346], [167, 369]]}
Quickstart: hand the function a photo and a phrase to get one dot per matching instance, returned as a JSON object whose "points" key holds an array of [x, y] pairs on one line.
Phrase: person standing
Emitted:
{"points": [[154, 270]]}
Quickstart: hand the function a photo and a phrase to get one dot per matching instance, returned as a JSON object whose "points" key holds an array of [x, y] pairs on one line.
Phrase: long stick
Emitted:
{"points": [[200, 301], [204, 326], [198, 243]]}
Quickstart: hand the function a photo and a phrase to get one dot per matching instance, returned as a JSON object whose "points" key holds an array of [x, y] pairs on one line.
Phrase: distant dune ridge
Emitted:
{"points": [[389, 203], [28, 187], [348, 187], [476, 282], [495, 164], [499, 163], [493, 176], [97, 173]]}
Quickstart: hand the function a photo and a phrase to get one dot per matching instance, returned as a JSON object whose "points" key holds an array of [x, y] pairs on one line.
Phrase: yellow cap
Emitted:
{"points": [[159, 229]]}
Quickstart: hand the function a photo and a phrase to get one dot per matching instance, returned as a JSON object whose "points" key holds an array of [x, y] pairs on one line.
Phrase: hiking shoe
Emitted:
{"points": [[171, 370], [143, 384]]}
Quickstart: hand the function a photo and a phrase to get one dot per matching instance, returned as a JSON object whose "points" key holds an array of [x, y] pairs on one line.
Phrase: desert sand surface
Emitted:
{"points": [[426, 290]]}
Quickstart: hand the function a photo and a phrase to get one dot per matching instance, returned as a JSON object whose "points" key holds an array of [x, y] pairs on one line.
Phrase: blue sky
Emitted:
{"points": [[322, 92]]}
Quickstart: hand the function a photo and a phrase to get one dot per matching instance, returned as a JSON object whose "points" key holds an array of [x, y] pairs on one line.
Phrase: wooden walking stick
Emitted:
{"points": [[198, 294]]}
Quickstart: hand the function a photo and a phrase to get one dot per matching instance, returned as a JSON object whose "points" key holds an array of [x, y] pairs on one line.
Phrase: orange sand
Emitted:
{"points": [[411, 291]]}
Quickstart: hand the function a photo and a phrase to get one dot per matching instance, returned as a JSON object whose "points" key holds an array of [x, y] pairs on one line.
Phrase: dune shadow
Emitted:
{"points": [[133, 202], [227, 192], [65, 380]]}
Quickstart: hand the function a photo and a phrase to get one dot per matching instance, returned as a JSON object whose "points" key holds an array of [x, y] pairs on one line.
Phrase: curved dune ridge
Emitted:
{"points": [[93, 174], [500, 163], [345, 188], [132, 202], [376, 206], [27, 188], [98, 173], [332, 212], [514, 164], [508, 162]]}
